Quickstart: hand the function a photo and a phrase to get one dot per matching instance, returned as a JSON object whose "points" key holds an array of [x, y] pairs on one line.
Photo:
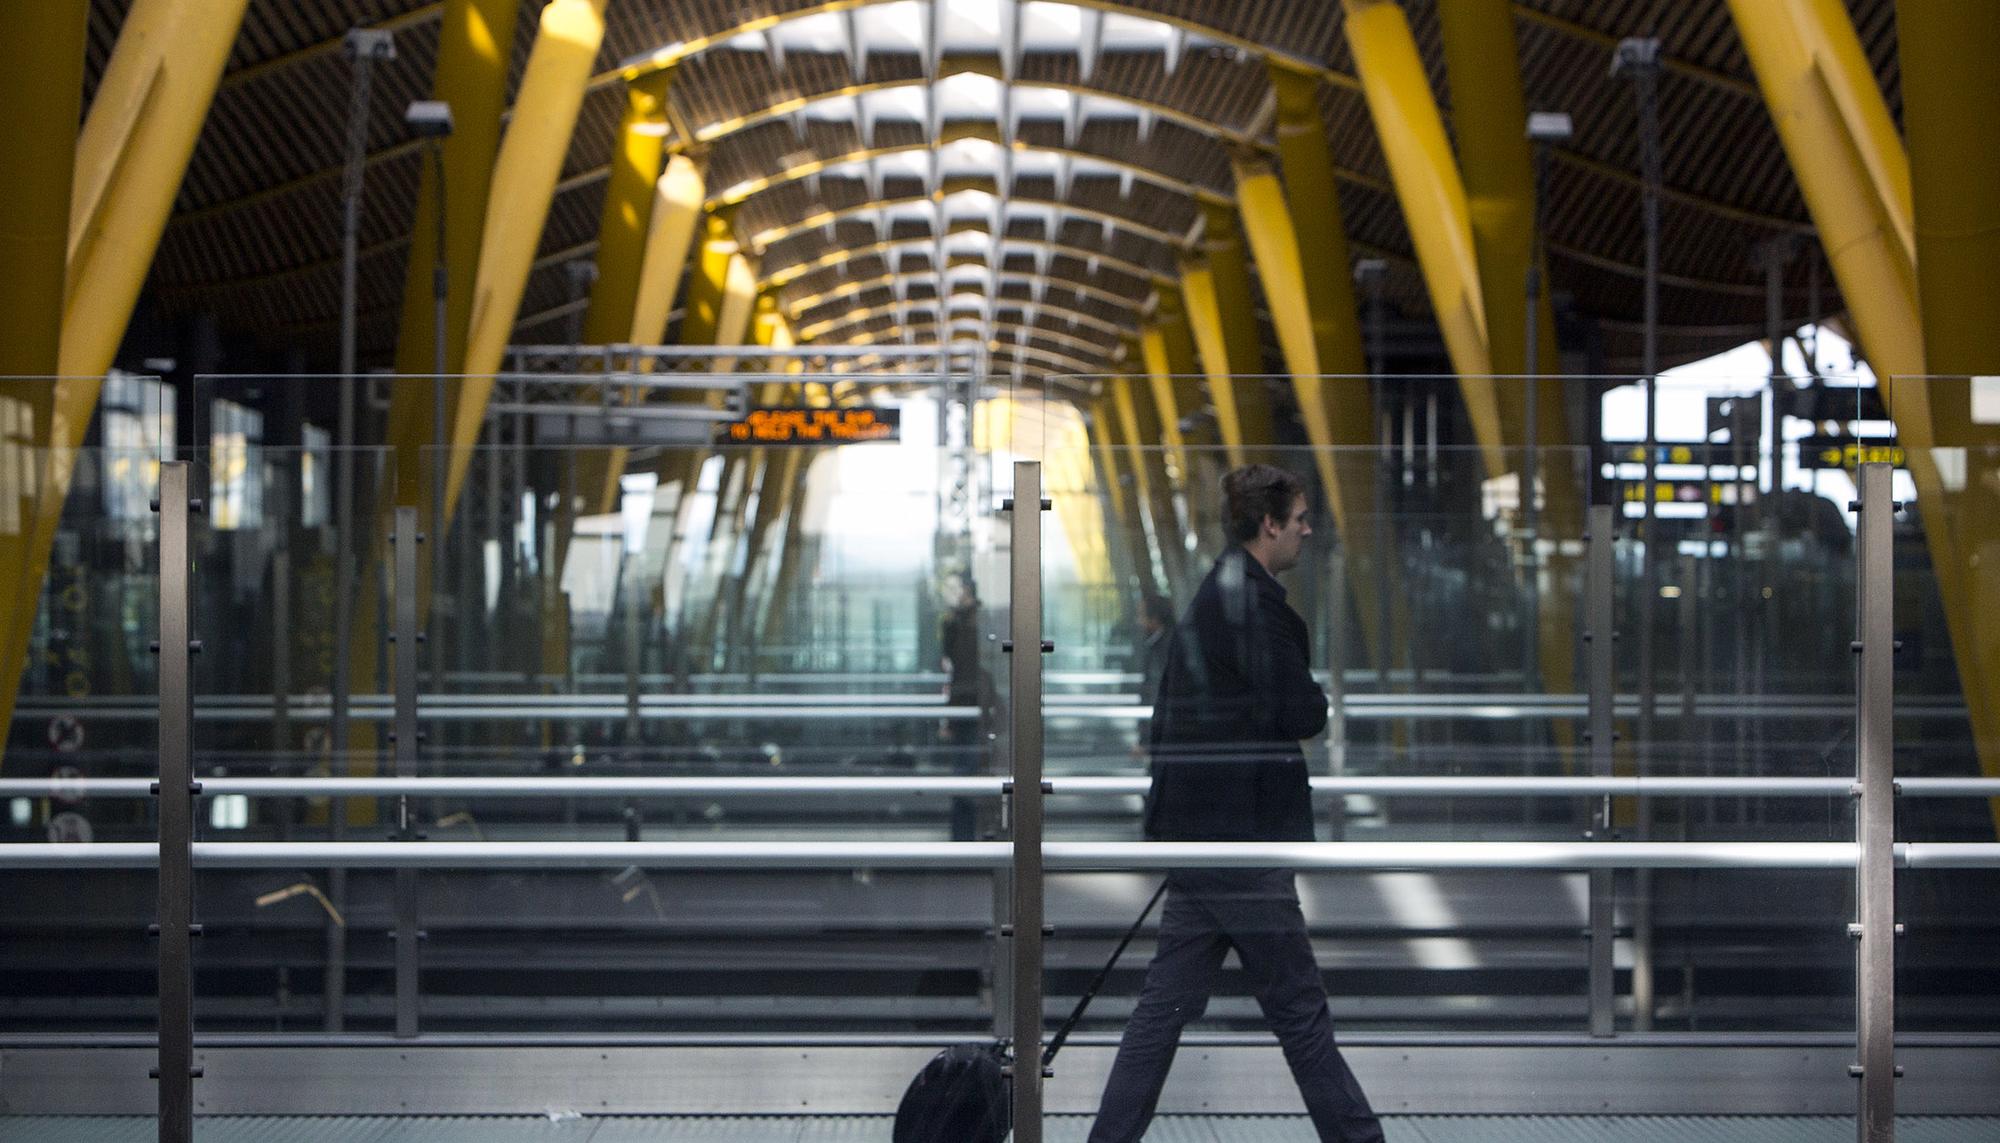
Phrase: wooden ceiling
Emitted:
{"points": [[255, 236]]}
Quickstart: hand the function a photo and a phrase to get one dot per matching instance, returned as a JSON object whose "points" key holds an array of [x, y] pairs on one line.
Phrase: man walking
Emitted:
{"points": [[1235, 697]]}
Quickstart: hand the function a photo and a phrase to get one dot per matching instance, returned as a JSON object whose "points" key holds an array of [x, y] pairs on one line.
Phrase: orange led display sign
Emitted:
{"points": [[812, 426]]}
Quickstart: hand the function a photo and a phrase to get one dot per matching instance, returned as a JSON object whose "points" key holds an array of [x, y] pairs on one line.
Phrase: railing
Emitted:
{"points": [[1026, 857]]}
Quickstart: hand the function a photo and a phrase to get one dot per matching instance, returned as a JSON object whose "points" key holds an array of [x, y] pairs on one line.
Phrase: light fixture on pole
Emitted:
{"points": [[1545, 130]]}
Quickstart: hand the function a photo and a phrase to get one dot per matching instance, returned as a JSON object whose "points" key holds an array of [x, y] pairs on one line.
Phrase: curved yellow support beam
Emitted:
{"points": [[1432, 194], [765, 239], [798, 309], [836, 326], [1853, 173], [988, 132], [786, 275]]}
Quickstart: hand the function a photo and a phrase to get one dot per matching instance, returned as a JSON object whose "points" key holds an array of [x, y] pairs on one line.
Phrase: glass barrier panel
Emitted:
{"points": [[623, 592], [79, 531], [1945, 699]]}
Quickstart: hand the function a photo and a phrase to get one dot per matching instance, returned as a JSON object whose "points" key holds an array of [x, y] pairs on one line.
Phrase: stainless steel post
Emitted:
{"points": [[364, 47], [1333, 605], [440, 459], [1025, 796], [1639, 59], [1875, 815], [634, 599], [1598, 633], [404, 738], [281, 646], [175, 794]]}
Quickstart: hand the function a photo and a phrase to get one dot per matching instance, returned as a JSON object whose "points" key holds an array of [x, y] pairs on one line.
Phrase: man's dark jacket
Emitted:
{"points": [[1235, 698]]}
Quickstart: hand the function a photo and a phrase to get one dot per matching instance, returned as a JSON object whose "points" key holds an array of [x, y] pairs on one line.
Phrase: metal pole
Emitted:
{"points": [[1372, 272], [635, 599], [1025, 796], [175, 793], [364, 47], [404, 739], [1875, 815], [1602, 639], [1639, 59], [440, 462], [1333, 605]]}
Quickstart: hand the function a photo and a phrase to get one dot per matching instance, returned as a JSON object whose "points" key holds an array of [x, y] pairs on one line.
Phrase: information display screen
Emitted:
{"points": [[803, 426]]}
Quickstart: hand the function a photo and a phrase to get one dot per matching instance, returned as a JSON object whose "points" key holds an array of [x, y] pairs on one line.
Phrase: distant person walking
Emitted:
{"points": [[958, 636], [1236, 695]]}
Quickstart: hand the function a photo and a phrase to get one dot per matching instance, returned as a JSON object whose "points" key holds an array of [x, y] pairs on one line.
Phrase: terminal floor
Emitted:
{"points": [[1057, 1129]]}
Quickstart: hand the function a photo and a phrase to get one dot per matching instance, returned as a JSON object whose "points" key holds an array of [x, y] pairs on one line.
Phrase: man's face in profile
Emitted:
{"points": [[1289, 538]]}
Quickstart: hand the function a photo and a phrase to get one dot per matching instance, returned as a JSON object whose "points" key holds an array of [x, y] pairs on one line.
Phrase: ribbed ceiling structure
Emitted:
{"points": [[1019, 172]]}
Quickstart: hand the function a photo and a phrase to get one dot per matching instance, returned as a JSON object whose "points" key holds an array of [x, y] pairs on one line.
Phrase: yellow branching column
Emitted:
{"points": [[1433, 199], [1110, 459], [735, 307], [1119, 421], [1167, 411], [1139, 426], [1216, 290], [622, 233], [670, 230], [41, 98], [1855, 177], [130, 159], [1951, 103], [1168, 348], [476, 43], [524, 183], [475, 47], [1318, 330], [1489, 112]]}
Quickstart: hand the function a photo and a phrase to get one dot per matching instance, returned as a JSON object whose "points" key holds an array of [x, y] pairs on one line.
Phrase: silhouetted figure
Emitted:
{"points": [[958, 635], [1236, 695]]}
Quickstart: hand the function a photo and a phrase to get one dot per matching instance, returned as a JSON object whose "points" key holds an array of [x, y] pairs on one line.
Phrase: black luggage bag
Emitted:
{"points": [[964, 1095]]}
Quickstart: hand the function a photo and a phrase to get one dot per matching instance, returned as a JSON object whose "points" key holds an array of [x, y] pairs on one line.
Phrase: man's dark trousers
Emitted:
{"points": [[1256, 912]]}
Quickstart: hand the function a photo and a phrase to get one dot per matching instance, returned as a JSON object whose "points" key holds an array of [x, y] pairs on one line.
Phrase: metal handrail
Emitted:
{"points": [[1058, 856], [671, 786]]}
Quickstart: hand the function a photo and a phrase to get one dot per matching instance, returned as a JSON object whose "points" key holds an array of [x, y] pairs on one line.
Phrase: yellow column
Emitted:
{"points": [[1115, 459], [1330, 424], [677, 199], [130, 158], [1216, 289], [476, 45], [1951, 111], [709, 278], [41, 98], [1433, 199], [1157, 527], [1490, 115], [1855, 177], [1338, 416], [622, 233], [524, 182], [629, 195]]}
